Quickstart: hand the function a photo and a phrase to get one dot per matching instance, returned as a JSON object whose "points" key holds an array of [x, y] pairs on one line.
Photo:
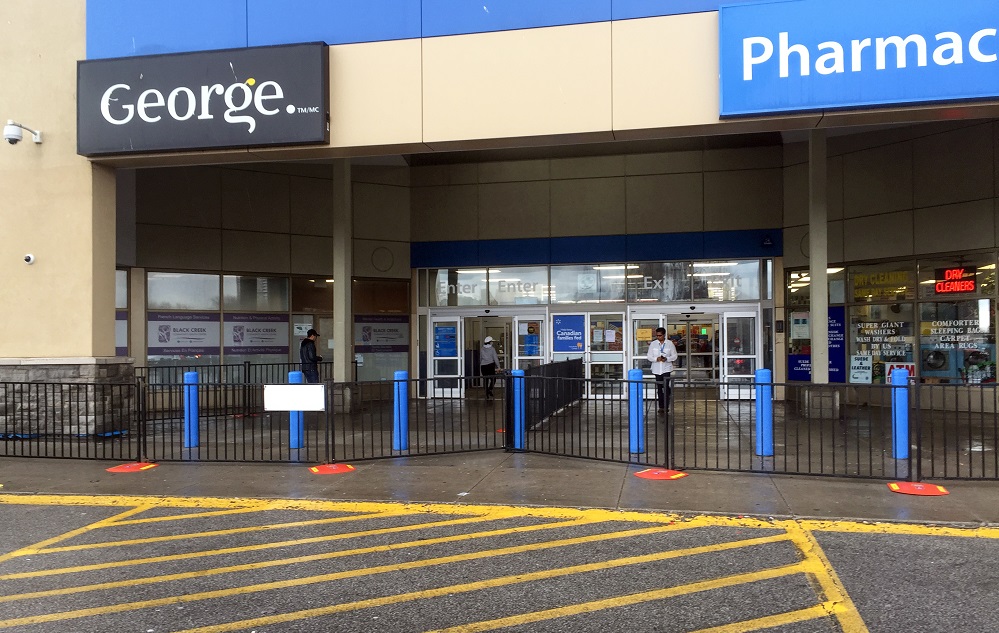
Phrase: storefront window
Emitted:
{"points": [[957, 342], [659, 282], [182, 291], [726, 281], [121, 313], [957, 277], [799, 287], [458, 287], [121, 289], [883, 282], [884, 337], [604, 283], [258, 294], [518, 286]]}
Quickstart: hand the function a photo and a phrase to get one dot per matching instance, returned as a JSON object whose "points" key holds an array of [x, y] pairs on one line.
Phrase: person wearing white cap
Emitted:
{"points": [[488, 364]]}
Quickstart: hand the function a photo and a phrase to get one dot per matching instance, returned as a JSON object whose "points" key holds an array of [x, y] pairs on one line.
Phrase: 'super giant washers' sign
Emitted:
{"points": [[818, 54], [275, 95]]}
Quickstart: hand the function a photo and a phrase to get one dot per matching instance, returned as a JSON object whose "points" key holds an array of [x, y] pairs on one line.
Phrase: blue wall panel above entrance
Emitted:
{"points": [[597, 250]]}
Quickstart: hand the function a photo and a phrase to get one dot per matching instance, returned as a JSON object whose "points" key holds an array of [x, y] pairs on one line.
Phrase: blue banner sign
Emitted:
{"points": [[799, 366], [445, 341], [822, 54], [568, 331]]}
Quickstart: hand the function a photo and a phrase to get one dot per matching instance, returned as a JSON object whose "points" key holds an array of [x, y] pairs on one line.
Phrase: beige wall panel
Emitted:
{"points": [[513, 210], [671, 203], [311, 206], [179, 196], [587, 167], [879, 236], [743, 158], [186, 248], [664, 163], [517, 83], [955, 227], [683, 90], [375, 93], [515, 171], [251, 252], [254, 201], [746, 199], [796, 245], [311, 255], [381, 212], [877, 180], [445, 213], [593, 206], [381, 259], [954, 167]]}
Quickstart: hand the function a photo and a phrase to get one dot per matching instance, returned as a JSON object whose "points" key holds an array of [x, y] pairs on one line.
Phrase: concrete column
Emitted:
{"points": [[343, 268], [818, 254], [137, 315]]}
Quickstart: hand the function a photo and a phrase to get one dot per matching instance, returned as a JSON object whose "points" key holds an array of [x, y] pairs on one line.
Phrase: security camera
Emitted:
{"points": [[12, 133], [29, 259]]}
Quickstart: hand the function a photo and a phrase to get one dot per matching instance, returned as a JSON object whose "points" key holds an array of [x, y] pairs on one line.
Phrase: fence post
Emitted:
{"points": [[764, 413], [636, 411], [400, 412], [518, 409], [900, 414], [191, 434], [296, 419]]}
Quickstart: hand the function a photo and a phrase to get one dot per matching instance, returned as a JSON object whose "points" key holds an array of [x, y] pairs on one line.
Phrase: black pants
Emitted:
{"points": [[489, 373], [663, 391]]}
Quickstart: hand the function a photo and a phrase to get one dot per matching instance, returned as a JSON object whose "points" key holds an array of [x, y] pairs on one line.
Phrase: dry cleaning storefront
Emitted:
{"points": [[564, 177]]}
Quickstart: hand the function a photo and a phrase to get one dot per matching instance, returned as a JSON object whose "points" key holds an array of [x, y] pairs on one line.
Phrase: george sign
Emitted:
{"points": [[294, 397], [246, 97], [819, 54], [376, 333], [568, 332], [250, 334], [861, 369], [951, 280], [183, 334]]}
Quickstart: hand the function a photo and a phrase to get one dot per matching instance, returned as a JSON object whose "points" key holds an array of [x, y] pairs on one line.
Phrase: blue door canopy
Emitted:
{"points": [[803, 55]]}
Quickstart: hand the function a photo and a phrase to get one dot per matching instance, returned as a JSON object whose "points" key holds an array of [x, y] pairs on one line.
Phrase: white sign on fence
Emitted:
{"points": [[294, 397]]}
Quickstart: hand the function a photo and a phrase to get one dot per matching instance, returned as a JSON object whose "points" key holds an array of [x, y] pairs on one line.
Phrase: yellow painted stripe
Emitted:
{"points": [[626, 601], [850, 620], [290, 561], [214, 533], [355, 573], [476, 586], [772, 621], [193, 515], [241, 549], [900, 528], [37, 547]]}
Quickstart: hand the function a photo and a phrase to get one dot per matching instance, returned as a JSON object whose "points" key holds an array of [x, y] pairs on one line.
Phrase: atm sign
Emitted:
{"points": [[952, 280]]}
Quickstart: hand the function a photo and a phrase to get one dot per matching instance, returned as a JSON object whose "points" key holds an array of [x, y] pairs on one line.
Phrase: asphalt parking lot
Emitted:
{"points": [[152, 564]]}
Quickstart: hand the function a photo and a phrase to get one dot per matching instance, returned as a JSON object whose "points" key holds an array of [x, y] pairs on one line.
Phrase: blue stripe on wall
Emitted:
{"points": [[127, 28], [451, 17], [123, 28], [598, 250]]}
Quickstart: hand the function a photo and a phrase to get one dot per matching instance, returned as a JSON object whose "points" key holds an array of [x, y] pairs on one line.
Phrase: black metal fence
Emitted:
{"points": [[831, 430]]}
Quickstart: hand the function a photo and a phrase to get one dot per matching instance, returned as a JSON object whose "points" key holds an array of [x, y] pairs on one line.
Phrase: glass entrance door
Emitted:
{"points": [[605, 357], [445, 368], [740, 355], [696, 339], [530, 349]]}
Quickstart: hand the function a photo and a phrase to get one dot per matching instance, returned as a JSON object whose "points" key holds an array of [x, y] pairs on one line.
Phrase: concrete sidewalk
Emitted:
{"points": [[496, 477]]}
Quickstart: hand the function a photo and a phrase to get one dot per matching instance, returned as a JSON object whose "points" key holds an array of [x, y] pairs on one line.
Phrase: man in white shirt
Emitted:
{"points": [[661, 354], [488, 364]]}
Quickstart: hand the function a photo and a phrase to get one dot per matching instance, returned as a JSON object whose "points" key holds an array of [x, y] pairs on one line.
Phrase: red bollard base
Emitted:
{"points": [[918, 489], [134, 467], [331, 469], [660, 473]]}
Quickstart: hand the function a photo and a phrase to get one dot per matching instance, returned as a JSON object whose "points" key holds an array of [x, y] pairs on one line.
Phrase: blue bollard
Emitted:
{"points": [[518, 409], [296, 419], [400, 412], [764, 413], [192, 436], [900, 414], [636, 411]]}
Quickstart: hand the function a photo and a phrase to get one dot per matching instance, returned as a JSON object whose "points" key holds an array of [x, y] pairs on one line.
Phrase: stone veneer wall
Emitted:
{"points": [[60, 397]]}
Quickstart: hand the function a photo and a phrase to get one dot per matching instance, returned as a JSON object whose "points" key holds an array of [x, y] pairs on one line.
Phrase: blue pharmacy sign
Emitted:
{"points": [[823, 54], [568, 331], [445, 341]]}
